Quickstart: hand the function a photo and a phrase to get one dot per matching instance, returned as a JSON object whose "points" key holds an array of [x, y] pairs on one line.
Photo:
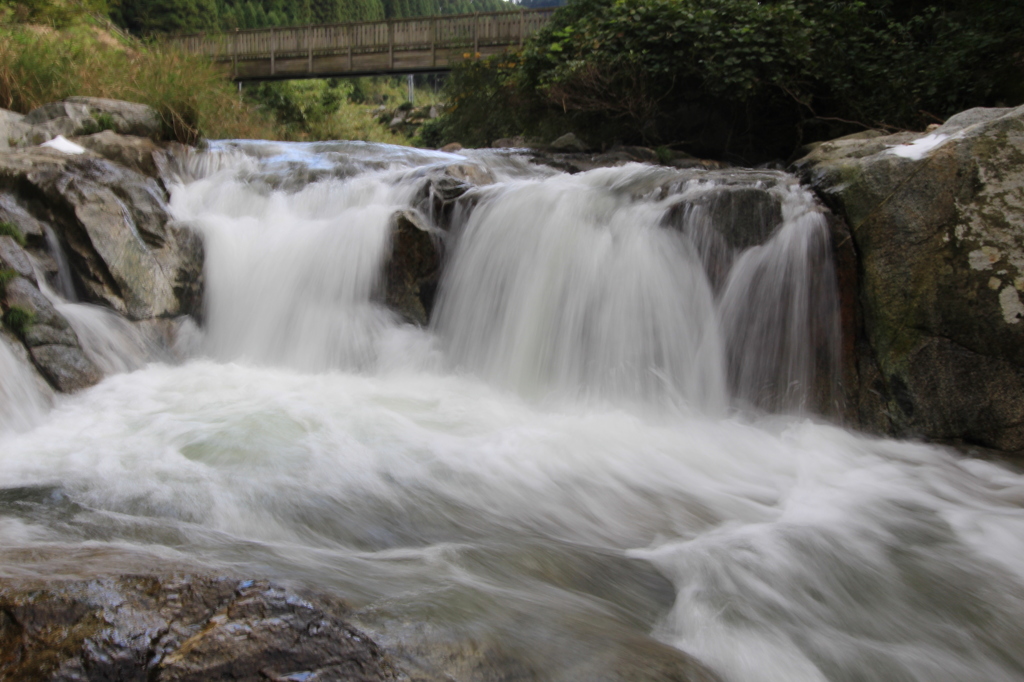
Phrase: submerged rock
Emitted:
{"points": [[935, 221], [179, 627]]}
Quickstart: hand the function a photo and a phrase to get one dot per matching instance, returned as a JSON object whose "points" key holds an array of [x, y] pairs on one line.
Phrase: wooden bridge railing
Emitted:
{"points": [[466, 32]]}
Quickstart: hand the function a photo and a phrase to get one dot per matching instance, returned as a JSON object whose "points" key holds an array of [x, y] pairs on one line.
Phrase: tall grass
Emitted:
{"points": [[194, 99]]}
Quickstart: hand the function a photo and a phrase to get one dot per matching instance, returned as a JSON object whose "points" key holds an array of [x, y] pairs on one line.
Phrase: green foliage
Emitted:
{"points": [[55, 13], [319, 110], [145, 17], [11, 230], [486, 100], [6, 275], [18, 319], [744, 77]]}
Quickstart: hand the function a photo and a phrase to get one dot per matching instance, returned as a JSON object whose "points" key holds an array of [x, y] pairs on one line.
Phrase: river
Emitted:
{"points": [[605, 442]]}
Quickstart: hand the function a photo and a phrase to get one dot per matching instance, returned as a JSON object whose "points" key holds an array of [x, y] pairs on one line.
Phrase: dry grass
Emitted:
{"points": [[191, 94]]}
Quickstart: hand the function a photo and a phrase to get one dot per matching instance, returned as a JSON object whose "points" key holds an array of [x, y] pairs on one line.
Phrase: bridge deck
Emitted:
{"points": [[398, 46]]}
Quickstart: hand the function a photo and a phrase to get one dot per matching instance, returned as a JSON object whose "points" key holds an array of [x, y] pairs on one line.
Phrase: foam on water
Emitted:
{"points": [[566, 465]]}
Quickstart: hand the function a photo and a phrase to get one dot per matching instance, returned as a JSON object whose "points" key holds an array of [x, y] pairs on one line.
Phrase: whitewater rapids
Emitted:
{"points": [[579, 455]]}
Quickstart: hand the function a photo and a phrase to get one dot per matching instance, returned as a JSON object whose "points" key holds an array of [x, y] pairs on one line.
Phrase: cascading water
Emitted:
{"points": [[600, 447]]}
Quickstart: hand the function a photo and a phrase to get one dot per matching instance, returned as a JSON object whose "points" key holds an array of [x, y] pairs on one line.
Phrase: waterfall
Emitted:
{"points": [[606, 451]]}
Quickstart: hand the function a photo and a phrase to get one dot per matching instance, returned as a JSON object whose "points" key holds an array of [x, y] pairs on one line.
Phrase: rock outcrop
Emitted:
{"points": [[92, 226], [88, 115], [937, 225], [123, 250], [179, 627]]}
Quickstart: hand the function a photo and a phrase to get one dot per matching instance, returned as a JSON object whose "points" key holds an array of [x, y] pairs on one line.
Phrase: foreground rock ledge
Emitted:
{"points": [[180, 627]]}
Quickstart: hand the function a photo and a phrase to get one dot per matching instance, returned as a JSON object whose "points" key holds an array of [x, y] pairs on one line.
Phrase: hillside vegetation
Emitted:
{"points": [[51, 49], [145, 17], [742, 78]]}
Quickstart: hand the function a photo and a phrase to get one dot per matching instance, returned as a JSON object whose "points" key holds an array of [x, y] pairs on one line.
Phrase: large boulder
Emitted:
{"points": [[937, 224], [130, 151], [88, 115], [123, 249], [179, 627], [413, 268]]}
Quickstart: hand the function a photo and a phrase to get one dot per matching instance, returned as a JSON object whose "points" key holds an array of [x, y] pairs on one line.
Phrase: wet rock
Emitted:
{"points": [[451, 147], [179, 628], [936, 230], [52, 343], [123, 250], [413, 268], [88, 115], [130, 151]]}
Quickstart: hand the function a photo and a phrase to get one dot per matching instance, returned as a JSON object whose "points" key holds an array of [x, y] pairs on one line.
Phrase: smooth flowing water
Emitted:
{"points": [[602, 448]]}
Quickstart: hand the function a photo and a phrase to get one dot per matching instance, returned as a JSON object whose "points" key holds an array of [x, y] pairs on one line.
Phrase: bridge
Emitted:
{"points": [[397, 46]]}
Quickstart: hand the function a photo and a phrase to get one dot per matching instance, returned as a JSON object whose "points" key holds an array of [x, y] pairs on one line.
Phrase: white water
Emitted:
{"points": [[558, 471]]}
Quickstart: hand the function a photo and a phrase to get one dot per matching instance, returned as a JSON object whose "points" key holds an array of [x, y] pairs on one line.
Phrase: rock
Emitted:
{"points": [[413, 268], [434, 112], [180, 628], [88, 115], [936, 225], [123, 250], [471, 173], [127, 150], [568, 143], [517, 142], [14, 212], [51, 342], [14, 132], [14, 257], [66, 367], [451, 148]]}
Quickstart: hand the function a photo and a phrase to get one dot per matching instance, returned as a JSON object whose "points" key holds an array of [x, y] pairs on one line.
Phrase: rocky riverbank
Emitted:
{"points": [[931, 257]]}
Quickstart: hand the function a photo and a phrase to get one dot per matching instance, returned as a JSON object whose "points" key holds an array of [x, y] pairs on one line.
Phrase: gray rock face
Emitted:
{"points": [[51, 342], [179, 628], [123, 250], [14, 132], [88, 115], [136, 153], [937, 224]]}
